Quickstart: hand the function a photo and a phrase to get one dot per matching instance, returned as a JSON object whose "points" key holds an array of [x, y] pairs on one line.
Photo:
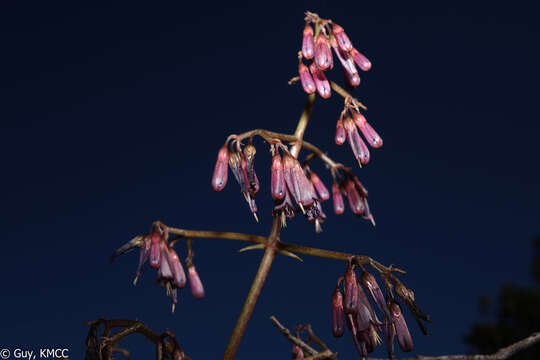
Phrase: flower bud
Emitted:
{"points": [[363, 63], [373, 139], [402, 331], [321, 83], [337, 313], [219, 179], [308, 44], [197, 289], [323, 54], [337, 199], [155, 250], [350, 287], [358, 147], [305, 78], [342, 38], [297, 352], [319, 186], [277, 180], [341, 136], [179, 276], [355, 200]]}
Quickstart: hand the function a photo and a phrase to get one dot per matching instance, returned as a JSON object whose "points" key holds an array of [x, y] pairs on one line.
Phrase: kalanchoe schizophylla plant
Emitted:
{"points": [[296, 189]]}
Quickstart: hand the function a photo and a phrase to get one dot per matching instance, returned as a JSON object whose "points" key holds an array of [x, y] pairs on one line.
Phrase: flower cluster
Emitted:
{"points": [[160, 254], [356, 194], [242, 164], [293, 187], [317, 46], [352, 306]]}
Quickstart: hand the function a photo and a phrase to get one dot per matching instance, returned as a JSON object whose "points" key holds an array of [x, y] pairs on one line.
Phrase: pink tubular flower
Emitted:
{"points": [[246, 178], [323, 54], [389, 335], [342, 38], [374, 291], [402, 331], [297, 182], [358, 147], [143, 257], [308, 44], [337, 199], [164, 271], [305, 78], [155, 249], [219, 179], [319, 186], [284, 208], [337, 313], [373, 139], [179, 276], [297, 352], [341, 136], [363, 63], [350, 287], [321, 83], [197, 289], [356, 202], [351, 74], [277, 180]]}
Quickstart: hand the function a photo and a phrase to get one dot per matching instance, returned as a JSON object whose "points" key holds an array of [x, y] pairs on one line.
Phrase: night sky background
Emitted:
{"points": [[112, 115]]}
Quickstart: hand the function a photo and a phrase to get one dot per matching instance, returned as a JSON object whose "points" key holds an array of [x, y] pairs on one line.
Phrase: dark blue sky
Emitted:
{"points": [[112, 116]]}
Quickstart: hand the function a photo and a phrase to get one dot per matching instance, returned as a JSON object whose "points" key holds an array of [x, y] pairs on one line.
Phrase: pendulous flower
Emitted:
{"points": [[363, 63], [337, 199], [195, 283], [371, 136], [337, 313], [342, 38], [358, 147], [402, 331], [308, 44], [321, 83], [305, 78], [221, 171], [323, 54]]}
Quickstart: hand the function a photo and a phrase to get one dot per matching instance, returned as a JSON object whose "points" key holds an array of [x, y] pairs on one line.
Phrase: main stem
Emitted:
{"points": [[269, 253]]}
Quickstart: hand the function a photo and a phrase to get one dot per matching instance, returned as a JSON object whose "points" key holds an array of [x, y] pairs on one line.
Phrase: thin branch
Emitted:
{"points": [[501, 354], [305, 347], [254, 291], [302, 125], [341, 91]]}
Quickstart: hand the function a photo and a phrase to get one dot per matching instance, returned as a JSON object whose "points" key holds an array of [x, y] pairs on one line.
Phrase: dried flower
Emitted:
{"points": [[219, 179], [308, 45], [374, 291]]}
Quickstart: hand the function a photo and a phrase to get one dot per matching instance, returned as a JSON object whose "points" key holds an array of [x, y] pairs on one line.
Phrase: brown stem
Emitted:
{"points": [[254, 291], [302, 125], [341, 91]]}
